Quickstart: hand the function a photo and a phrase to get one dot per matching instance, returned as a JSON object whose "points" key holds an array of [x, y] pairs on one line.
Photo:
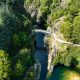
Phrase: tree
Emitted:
{"points": [[73, 10], [74, 62], [21, 39], [76, 30], [4, 66], [44, 7], [55, 3], [24, 61], [7, 27], [66, 29]]}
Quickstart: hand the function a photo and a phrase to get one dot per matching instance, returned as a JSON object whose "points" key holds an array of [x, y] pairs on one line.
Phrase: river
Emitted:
{"points": [[41, 55]]}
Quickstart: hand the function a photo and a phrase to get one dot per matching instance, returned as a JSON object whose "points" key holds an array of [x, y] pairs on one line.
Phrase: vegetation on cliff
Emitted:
{"points": [[16, 43], [70, 30], [50, 11]]}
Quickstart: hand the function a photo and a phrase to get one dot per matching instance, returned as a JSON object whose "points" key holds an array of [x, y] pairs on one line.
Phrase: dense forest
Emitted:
{"points": [[19, 17], [16, 45]]}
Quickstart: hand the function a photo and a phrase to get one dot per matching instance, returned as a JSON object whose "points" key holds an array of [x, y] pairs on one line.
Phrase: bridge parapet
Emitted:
{"points": [[41, 31]]}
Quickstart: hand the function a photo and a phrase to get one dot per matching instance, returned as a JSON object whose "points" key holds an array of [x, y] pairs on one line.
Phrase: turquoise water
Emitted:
{"points": [[64, 73]]}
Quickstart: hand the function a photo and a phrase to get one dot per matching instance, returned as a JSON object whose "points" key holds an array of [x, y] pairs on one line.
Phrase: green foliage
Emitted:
{"points": [[55, 3], [44, 8], [35, 3], [22, 40], [42, 5], [56, 14], [7, 26], [71, 29], [74, 62], [28, 2], [76, 30], [4, 66], [66, 29], [24, 61], [4, 1], [24, 22], [30, 74], [68, 57], [74, 7], [16, 40], [15, 29]]}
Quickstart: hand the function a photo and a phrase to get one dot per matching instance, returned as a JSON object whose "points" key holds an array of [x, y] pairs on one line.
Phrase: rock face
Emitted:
{"points": [[52, 44], [52, 50], [37, 68], [33, 8], [51, 56], [64, 3]]}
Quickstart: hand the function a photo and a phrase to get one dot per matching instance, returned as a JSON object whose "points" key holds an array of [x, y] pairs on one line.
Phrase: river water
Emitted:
{"points": [[41, 55]]}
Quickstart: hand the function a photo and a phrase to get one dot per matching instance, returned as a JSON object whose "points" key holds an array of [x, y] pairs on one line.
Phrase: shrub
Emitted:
{"points": [[24, 61], [7, 27], [66, 29], [70, 57], [4, 66], [76, 30]]}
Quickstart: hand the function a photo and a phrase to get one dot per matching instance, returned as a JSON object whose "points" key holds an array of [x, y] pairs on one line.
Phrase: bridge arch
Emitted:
{"points": [[41, 31]]}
